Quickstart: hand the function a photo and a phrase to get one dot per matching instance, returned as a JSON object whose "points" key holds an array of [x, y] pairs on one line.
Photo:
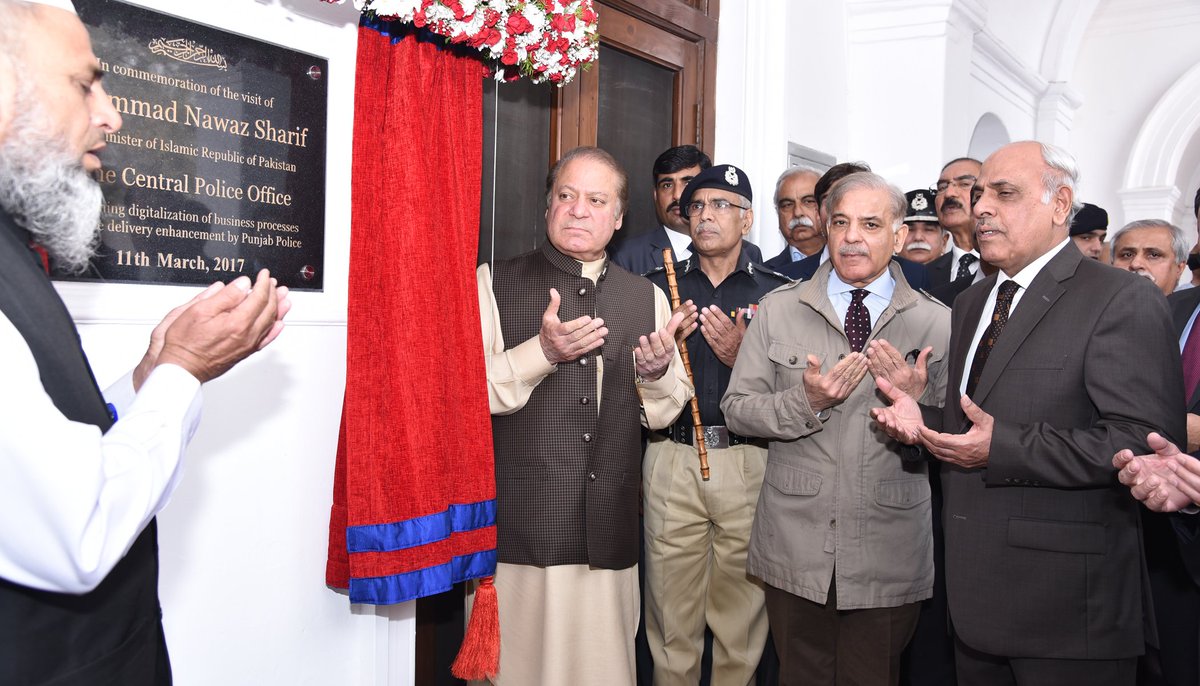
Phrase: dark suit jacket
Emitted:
{"points": [[781, 259], [1044, 546], [948, 292], [942, 270], [914, 272], [1173, 557], [642, 254]]}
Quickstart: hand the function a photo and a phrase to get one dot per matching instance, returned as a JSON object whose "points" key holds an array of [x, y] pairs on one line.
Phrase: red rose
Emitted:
{"points": [[490, 17], [517, 24], [493, 37], [587, 14]]}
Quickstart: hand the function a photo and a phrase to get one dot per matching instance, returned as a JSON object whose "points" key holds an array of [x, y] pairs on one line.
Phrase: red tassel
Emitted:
{"points": [[479, 656]]}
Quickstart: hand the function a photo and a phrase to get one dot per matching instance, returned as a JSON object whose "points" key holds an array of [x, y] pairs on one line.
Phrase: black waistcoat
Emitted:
{"points": [[111, 635], [567, 476]]}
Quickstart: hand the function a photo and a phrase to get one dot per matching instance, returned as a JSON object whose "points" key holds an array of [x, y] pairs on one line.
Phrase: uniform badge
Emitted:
{"points": [[731, 176], [919, 203]]}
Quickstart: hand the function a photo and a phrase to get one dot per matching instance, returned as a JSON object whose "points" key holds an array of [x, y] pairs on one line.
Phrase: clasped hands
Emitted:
{"points": [[902, 421], [566, 341], [1166, 480]]}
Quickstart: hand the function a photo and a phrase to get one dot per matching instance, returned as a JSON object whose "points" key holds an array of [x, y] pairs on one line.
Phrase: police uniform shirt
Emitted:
{"points": [[742, 289]]}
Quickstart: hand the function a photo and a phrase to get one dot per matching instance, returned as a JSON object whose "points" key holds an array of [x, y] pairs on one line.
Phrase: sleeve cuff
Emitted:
{"points": [[529, 363]]}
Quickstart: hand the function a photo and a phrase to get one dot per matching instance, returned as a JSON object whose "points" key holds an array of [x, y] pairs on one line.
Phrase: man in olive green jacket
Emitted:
{"points": [[842, 534]]}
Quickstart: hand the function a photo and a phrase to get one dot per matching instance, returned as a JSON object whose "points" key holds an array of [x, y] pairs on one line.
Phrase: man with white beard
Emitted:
{"points": [[82, 474], [796, 207]]}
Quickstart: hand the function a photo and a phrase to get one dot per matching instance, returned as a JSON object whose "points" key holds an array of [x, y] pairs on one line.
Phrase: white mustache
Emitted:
{"points": [[919, 245], [852, 250], [1143, 272], [799, 221]]}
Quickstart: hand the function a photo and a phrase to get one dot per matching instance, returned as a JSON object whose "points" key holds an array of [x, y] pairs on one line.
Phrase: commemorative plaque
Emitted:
{"points": [[219, 168]]}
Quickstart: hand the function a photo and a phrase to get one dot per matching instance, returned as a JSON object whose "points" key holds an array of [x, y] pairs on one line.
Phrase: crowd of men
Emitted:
{"points": [[945, 432], [950, 436]]}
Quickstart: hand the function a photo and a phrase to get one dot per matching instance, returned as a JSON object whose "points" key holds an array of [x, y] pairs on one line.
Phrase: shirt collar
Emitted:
{"points": [[883, 286], [1031, 270]]}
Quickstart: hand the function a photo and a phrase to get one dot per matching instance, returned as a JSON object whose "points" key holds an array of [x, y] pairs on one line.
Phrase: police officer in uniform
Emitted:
{"points": [[697, 531]]}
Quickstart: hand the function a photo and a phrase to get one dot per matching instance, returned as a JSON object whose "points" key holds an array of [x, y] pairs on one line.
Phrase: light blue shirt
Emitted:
{"points": [[796, 254], [880, 295]]}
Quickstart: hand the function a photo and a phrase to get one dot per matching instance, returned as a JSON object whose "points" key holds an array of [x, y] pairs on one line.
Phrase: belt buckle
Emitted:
{"points": [[716, 437]]}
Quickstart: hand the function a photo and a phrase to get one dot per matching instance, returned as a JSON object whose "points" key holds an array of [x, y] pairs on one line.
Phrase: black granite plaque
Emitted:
{"points": [[219, 168]]}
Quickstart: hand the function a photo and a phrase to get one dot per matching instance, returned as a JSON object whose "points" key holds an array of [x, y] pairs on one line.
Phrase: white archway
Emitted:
{"points": [[1171, 125], [1150, 186], [989, 134]]}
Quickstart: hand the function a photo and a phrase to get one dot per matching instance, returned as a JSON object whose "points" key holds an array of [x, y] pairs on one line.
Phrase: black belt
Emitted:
{"points": [[715, 436]]}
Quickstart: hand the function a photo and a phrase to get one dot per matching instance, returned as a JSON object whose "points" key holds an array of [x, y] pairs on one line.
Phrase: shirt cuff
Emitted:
{"points": [[528, 363]]}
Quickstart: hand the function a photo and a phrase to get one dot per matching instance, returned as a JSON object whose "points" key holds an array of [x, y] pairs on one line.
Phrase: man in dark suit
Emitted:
{"points": [[953, 205], [799, 216], [642, 253], [1173, 540], [1044, 563]]}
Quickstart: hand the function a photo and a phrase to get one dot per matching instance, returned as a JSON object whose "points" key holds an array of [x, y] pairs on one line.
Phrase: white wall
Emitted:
{"points": [[243, 541]]}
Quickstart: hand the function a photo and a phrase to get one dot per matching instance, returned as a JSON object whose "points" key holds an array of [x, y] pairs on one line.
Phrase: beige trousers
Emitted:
{"points": [[697, 536], [569, 625]]}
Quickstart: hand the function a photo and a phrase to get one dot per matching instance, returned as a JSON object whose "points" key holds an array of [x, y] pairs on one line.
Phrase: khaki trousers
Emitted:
{"points": [[697, 536]]}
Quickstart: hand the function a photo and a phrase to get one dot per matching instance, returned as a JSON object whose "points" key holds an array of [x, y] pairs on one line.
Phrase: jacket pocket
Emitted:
{"points": [[791, 481], [903, 494], [1056, 536], [789, 361]]}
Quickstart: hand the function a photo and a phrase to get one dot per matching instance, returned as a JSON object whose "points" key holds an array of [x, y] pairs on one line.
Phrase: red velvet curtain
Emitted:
{"points": [[414, 489]]}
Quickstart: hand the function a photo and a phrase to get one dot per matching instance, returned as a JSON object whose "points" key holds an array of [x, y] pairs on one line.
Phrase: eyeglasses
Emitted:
{"points": [[720, 206], [962, 183]]}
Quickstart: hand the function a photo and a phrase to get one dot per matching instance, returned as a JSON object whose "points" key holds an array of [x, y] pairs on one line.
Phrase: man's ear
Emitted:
{"points": [[8, 95]]}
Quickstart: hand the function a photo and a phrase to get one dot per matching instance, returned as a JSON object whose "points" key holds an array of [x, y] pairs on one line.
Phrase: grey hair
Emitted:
{"points": [[789, 173], [1179, 242], [598, 155], [1062, 171], [865, 181]]}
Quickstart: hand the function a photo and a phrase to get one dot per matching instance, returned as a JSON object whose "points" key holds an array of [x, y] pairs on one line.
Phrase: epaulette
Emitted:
{"points": [[758, 266], [779, 289], [932, 298]]}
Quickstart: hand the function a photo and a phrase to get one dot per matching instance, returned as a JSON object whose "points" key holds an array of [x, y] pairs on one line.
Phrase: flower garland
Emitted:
{"points": [[544, 40]]}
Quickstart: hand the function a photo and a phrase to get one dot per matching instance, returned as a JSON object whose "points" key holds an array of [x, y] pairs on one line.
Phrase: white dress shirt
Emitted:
{"points": [[72, 500], [1023, 279], [879, 295], [681, 244]]}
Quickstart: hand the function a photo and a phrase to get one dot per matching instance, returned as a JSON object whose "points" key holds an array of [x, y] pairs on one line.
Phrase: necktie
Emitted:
{"points": [[1191, 361], [858, 320], [964, 265], [999, 318]]}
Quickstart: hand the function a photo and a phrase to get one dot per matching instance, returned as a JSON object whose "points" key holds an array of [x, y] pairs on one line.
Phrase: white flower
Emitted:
{"points": [[404, 10]]}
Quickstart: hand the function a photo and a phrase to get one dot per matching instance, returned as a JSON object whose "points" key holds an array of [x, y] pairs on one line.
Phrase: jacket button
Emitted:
{"points": [[592, 476], [583, 400], [808, 425], [842, 356], [792, 359], [587, 438], [583, 291], [583, 361], [833, 524]]}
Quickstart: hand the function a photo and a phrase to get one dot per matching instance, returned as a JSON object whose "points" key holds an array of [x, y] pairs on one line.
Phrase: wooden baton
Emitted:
{"points": [[701, 446]]}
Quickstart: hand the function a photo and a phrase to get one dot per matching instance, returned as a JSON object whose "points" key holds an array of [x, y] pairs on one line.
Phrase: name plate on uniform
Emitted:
{"points": [[219, 168]]}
